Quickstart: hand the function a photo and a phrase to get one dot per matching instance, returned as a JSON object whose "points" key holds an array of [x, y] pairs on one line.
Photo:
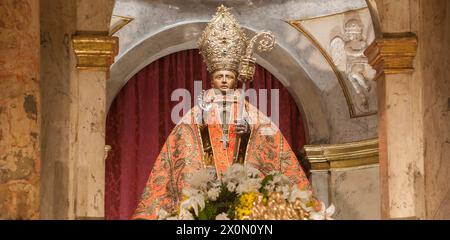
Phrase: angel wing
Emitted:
{"points": [[337, 51]]}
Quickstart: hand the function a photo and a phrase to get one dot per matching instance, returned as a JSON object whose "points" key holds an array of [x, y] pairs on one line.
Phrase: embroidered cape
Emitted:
{"points": [[195, 144]]}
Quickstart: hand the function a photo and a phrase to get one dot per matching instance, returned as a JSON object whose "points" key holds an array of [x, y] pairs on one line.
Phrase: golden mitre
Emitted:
{"points": [[223, 42]]}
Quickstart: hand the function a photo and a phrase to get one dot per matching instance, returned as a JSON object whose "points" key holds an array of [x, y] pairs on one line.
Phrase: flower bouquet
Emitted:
{"points": [[242, 194]]}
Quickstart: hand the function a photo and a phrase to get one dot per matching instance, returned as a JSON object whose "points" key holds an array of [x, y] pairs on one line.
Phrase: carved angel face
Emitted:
{"points": [[353, 30], [224, 80]]}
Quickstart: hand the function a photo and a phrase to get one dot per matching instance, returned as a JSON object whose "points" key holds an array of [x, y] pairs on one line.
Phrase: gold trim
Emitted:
{"points": [[393, 53], [123, 22], [95, 52], [347, 155], [351, 107]]}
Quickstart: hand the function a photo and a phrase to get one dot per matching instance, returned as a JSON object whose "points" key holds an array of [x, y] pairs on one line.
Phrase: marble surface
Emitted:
{"points": [[355, 193]]}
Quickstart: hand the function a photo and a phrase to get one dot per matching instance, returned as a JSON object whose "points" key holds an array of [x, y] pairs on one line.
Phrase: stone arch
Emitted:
{"points": [[372, 5]]}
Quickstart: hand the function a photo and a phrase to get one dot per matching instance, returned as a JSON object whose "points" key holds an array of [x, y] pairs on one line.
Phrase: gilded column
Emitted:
{"points": [[20, 115], [392, 56]]}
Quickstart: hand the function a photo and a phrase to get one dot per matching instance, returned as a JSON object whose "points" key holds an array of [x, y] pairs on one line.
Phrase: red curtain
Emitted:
{"points": [[139, 121]]}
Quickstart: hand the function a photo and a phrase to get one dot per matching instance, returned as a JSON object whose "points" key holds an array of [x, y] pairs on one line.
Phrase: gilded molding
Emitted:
{"points": [[347, 155], [393, 53], [118, 22], [95, 52]]}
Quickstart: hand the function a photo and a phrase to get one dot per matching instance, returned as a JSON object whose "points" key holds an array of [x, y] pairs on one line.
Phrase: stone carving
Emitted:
{"points": [[107, 149], [348, 55]]}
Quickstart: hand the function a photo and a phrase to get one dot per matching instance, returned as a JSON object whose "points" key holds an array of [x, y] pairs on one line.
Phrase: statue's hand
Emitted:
{"points": [[242, 126], [205, 106]]}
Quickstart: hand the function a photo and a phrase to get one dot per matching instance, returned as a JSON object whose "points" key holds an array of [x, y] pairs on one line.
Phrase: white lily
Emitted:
{"points": [[213, 193], [250, 185], [196, 202]]}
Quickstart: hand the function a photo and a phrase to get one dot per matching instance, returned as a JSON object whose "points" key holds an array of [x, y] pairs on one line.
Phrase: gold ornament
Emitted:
{"points": [[224, 46], [223, 42], [277, 208]]}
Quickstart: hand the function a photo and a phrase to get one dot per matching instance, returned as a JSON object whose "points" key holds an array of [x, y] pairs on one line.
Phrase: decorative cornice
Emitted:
{"points": [[347, 155], [95, 52], [393, 53]]}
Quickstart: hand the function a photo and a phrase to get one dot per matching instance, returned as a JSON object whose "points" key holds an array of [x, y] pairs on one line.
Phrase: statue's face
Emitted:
{"points": [[224, 80], [354, 36]]}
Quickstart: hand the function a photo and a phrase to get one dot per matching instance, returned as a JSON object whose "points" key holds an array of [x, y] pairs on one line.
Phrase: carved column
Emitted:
{"points": [[94, 56], [392, 56]]}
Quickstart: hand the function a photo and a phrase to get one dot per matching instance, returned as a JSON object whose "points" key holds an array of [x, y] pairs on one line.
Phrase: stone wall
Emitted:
{"points": [[19, 109], [355, 193], [434, 72]]}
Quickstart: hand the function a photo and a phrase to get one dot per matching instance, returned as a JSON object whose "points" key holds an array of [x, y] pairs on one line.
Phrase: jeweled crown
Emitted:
{"points": [[223, 42]]}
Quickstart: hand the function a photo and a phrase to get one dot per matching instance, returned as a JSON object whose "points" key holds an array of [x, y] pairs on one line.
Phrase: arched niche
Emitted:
{"points": [[182, 36]]}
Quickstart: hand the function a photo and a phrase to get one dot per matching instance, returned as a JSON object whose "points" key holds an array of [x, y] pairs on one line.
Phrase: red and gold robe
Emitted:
{"points": [[189, 148]]}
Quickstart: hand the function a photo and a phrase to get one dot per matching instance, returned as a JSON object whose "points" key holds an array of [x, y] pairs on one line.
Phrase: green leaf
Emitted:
{"points": [[208, 213], [264, 183]]}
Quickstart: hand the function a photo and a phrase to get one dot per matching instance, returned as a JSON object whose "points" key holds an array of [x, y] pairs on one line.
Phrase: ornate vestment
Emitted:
{"points": [[194, 144]]}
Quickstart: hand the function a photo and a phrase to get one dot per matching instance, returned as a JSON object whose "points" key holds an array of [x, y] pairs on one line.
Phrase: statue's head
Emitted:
{"points": [[353, 30], [227, 51], [224, 80], [222, 46]]}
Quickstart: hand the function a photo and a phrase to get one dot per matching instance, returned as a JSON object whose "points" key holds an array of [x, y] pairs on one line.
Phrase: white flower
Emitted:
{"points": [[222, 216], [250, 185], [281, 180], [296, 193], [251, 171], [285, 190], [234, 173], [238, 173], [201, 179], [196, 202], [324, 213], [231, 186], [189, 192], [213, 193]]}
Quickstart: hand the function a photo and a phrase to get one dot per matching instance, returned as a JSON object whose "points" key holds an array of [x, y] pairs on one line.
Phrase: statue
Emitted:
{"points": [[223, 128], [348, 55]]}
